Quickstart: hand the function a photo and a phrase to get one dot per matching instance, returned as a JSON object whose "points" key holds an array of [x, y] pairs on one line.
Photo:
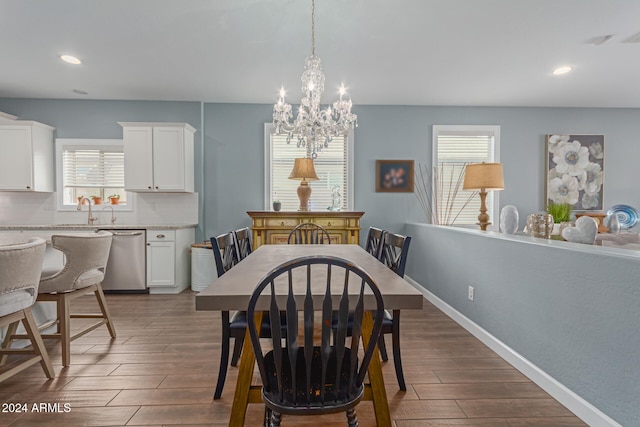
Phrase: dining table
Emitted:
{"points": [[232, 291]]}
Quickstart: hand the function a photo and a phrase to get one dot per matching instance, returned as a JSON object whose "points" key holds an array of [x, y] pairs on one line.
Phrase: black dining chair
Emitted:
{"points": [[226, 255], [393, 250], [317, 377], [243, 240], [308, 233], [374, 239]]}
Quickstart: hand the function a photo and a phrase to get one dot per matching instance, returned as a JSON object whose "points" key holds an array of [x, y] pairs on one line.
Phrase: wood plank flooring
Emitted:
{"points": [[162, 368]]}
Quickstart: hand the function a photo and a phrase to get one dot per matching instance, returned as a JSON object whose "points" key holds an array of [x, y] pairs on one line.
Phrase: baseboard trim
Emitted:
{"points": [[576, 404]]}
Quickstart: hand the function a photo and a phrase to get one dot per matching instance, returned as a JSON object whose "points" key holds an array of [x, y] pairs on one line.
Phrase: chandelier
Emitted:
{"points": [[314, 127]]}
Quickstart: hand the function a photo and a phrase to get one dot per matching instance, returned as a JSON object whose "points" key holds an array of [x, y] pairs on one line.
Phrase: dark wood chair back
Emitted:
{"points": [[317, 377], [243, 241], [225, 252], [308, 233], [374, 240], [394, 250]]}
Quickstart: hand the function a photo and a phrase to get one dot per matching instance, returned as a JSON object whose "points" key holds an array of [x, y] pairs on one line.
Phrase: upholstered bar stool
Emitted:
{"points": [[20, 268], [86, 256]]}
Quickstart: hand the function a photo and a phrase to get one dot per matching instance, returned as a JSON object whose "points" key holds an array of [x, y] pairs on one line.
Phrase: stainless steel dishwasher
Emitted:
{"points": [[126, 270]]}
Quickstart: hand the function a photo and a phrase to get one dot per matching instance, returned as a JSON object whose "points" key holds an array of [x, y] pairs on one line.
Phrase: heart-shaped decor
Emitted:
{"points": [[584, 232]]}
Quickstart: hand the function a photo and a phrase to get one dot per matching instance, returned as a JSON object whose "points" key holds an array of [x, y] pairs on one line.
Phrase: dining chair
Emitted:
{"points": [[226, 255], [308, 233], [317, 377], [393, 250], [243, 242], [20, 270], [374, 239]]}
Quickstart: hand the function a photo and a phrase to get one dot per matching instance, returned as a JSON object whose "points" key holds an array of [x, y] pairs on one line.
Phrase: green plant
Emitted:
{"points": [[561, 212], [114, 196]]}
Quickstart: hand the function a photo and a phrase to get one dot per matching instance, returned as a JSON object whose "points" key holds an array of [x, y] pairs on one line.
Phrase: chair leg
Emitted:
{"points": [[397, 361], [105, 310], [352, 419], [38, 345], [267, 417], [6, 343], [275, 419], [64, 328], [224, 355], [382, 348], [237, 350]]}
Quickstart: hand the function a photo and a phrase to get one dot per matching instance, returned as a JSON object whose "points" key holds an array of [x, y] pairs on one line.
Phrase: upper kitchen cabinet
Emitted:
{"points": [[158, 157], [26, 156]]}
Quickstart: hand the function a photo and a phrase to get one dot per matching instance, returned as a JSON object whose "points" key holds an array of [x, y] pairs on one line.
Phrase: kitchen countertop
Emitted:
{"points": [[96, 226]]}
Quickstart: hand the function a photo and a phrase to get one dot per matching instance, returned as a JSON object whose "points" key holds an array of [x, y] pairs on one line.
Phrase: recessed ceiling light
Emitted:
{"points": [[81, 92], [562, 70], [70, 59]]}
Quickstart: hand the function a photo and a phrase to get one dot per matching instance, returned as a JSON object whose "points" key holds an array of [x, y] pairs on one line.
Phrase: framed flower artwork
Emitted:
{"points": [[575, 171], [394, 176]]}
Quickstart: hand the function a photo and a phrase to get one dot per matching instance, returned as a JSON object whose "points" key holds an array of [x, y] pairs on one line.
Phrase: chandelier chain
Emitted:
{"points": [[313, 27]]}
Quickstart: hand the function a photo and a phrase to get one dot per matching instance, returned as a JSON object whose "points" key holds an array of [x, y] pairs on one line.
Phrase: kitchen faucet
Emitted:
{"points": [[90, 219], [113, 217]]}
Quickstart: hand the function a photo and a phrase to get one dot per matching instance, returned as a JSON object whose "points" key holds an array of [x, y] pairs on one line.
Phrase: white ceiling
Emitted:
{"points": [[388, 52]]}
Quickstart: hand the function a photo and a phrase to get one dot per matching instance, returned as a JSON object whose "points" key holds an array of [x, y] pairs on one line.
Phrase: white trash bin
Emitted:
{"points": [[203, 267]]}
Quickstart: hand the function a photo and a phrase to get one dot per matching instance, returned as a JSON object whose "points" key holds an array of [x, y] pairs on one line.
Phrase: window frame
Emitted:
{"points": [[268, 144], [493, 197], [63, 143]]}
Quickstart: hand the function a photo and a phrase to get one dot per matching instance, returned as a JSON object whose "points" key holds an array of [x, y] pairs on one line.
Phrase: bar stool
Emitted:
{"points": [[20, 268], [86, 256]]}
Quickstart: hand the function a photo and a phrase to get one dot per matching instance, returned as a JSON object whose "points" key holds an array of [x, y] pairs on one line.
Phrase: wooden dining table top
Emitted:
{"points": [[232, 290]]}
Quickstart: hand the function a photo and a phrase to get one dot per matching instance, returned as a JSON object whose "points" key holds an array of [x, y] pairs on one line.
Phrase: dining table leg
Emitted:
{"points": [[245, 375], [379, 393]]}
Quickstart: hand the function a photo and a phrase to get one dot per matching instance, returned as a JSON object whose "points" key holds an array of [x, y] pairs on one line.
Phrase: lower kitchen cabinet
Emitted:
{"points": [[168, 261]]}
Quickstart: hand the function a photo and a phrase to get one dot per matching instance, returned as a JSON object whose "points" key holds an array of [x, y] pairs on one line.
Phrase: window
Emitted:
{"points": [[334, 167], [453, 147], [90, 168]]}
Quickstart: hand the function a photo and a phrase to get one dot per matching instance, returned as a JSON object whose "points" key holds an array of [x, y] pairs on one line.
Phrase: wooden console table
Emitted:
{"points": [[274, 227]]}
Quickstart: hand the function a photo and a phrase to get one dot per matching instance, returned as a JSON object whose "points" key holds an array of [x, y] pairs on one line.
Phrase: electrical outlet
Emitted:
{"points": [[470, 293]]}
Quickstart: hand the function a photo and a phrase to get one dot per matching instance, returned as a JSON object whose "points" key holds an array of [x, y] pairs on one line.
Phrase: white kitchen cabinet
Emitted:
{"points": [[158, 157], [26, 156], [168, 260]]}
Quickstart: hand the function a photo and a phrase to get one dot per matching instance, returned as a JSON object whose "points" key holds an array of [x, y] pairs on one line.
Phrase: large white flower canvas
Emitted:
{"points": [[575, 170]]}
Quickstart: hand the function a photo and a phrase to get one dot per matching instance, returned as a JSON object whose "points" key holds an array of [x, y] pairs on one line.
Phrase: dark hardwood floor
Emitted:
{"points": [[162, 367]]}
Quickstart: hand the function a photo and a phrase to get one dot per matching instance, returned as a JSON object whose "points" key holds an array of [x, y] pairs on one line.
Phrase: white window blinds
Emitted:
{"points": [[93, 167], [331, 165], [454, 147]]}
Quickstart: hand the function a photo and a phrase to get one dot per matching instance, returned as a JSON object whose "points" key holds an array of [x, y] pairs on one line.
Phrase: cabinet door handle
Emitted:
{"points": [[28, 187], [160, 236], [157, 187], [148, 244], [329, 224], [282, 223], [149, 187]]}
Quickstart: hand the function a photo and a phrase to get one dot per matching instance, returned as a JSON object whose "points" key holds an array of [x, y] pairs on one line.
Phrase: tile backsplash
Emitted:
{"points": [[24, 208]]}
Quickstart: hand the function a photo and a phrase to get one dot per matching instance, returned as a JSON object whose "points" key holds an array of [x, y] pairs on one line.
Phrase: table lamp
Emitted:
{"points": [[304, 171], [483, 177]]}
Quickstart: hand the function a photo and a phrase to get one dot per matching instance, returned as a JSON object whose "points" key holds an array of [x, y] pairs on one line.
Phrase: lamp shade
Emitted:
{"points": [[303, 169], [483, 176]]}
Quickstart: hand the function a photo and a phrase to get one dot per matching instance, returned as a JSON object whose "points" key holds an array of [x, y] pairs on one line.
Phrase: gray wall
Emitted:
{"points": [[234, 147], [570, 309], [232, 181]]}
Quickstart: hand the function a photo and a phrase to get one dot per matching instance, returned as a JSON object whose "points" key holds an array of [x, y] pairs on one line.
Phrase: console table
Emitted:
{"points": [[274, 227]]}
